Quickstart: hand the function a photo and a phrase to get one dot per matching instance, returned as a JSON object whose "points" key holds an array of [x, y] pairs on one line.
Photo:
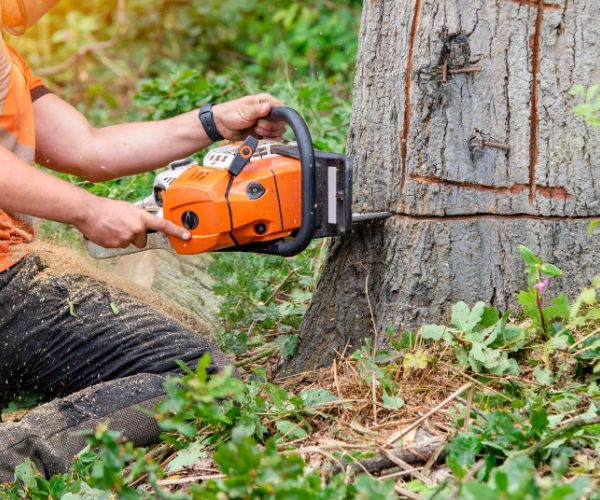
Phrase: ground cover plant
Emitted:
{"points": [[429, 417]]}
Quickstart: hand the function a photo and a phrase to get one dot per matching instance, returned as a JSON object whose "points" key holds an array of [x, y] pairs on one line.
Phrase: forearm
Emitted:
{"points": [[68, 143], [132, 148], [29, 191]]}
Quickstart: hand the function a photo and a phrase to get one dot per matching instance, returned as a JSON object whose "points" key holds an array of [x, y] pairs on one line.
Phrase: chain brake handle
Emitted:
{"points": [[304, 235]]}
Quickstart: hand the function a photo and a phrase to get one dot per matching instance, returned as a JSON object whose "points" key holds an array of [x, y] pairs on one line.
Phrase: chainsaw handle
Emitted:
{"points": [[307, 161]]}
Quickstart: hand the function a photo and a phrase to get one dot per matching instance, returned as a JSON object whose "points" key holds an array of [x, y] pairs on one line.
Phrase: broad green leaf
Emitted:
{"points": [[558, 343], [539, 421], [26, 473], [369, 488], [490, 317], [460, 315], [316, 397], [290, 430], [433, 332], [288, 345], [393, 402], [415, 360], [477, 491]]}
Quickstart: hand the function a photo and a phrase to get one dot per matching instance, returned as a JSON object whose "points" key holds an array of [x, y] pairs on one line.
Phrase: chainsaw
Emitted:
{"points": [[257, 196]]}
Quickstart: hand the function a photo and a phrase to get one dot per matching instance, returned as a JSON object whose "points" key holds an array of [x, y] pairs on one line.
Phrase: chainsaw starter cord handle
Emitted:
{"points": [[309, 186]]}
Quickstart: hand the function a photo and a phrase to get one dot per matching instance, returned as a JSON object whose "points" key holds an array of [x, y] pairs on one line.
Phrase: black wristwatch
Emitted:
{"points": [[208, 122]]}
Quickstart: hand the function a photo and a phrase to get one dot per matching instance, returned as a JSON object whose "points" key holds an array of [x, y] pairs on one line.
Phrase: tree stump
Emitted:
{"points": [[462, 127]]}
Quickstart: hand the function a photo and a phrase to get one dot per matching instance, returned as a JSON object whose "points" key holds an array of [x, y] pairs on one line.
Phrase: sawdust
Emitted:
{"points": [[61, 261]]}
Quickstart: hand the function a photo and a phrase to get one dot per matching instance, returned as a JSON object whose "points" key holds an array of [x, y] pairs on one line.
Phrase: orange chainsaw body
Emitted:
{"points": [[262, 203]]}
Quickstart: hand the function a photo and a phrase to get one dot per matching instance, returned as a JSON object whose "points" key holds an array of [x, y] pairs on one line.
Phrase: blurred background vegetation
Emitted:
{"points": [[176, 54], [119, 60]]}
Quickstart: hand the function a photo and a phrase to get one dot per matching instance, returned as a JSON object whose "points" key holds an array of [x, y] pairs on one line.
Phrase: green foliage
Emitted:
{"points": [[539, 275], [201, 413], [589, 108], [262, 40], [481, 338], [264, 294], [324, 105]]}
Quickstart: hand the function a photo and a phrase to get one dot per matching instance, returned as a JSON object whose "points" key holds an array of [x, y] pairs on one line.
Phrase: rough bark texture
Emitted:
{"points": [[462, 127]]}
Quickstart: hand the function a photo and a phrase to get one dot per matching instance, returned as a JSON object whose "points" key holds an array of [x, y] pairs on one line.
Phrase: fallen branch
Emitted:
{"points": [[560, 433], [260, 355], [411, 455]]}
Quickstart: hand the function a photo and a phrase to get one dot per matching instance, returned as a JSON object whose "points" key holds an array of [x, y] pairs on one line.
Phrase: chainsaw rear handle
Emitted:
{"points": [[307, 161]]}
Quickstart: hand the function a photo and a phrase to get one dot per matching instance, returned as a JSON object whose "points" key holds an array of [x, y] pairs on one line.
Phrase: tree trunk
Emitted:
{"points": [[462, 127]]}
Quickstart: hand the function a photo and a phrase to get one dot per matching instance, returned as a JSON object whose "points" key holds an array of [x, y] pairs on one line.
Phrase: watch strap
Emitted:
{"points": [[208, 123]]}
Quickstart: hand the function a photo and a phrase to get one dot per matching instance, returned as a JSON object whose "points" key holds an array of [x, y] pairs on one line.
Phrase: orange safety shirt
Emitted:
{"points": [[18, 89]]}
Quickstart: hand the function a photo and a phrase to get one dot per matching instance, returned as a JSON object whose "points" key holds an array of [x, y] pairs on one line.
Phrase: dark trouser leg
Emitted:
{"points": [[103, 351]]}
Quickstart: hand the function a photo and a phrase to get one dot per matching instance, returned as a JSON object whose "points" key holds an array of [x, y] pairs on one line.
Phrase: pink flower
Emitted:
{"points": [[542, 285]]}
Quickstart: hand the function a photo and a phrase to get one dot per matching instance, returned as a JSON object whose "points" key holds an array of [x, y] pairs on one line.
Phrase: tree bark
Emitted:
{"points": [[462, 127]]}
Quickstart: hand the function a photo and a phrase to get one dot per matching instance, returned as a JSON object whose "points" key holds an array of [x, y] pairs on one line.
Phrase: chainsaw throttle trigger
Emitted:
{"points": [[243, 155]]}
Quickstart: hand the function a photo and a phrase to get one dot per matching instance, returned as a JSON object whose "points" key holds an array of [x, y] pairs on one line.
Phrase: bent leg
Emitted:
{"points": [[51, 436], [102, 350]]}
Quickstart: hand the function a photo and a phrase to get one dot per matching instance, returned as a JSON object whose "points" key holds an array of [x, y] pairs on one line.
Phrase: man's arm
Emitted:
{"points": [[109, 223], [65, 140]]}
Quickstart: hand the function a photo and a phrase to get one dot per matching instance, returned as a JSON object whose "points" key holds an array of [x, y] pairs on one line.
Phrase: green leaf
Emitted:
{"points": [[393, 402], [433, 332], [539, 421], [551, 270], [369, 488], [290, 430], [543, 375], [187, 457], [288, 345], [528, 256], [460, 315], [477, 491], [415, 360], [464, 448], [317, 397], [27, 473]]}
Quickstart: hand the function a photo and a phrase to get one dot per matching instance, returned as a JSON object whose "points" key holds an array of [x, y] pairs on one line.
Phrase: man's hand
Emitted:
{"points": [[117, 224], [236, 119]]}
